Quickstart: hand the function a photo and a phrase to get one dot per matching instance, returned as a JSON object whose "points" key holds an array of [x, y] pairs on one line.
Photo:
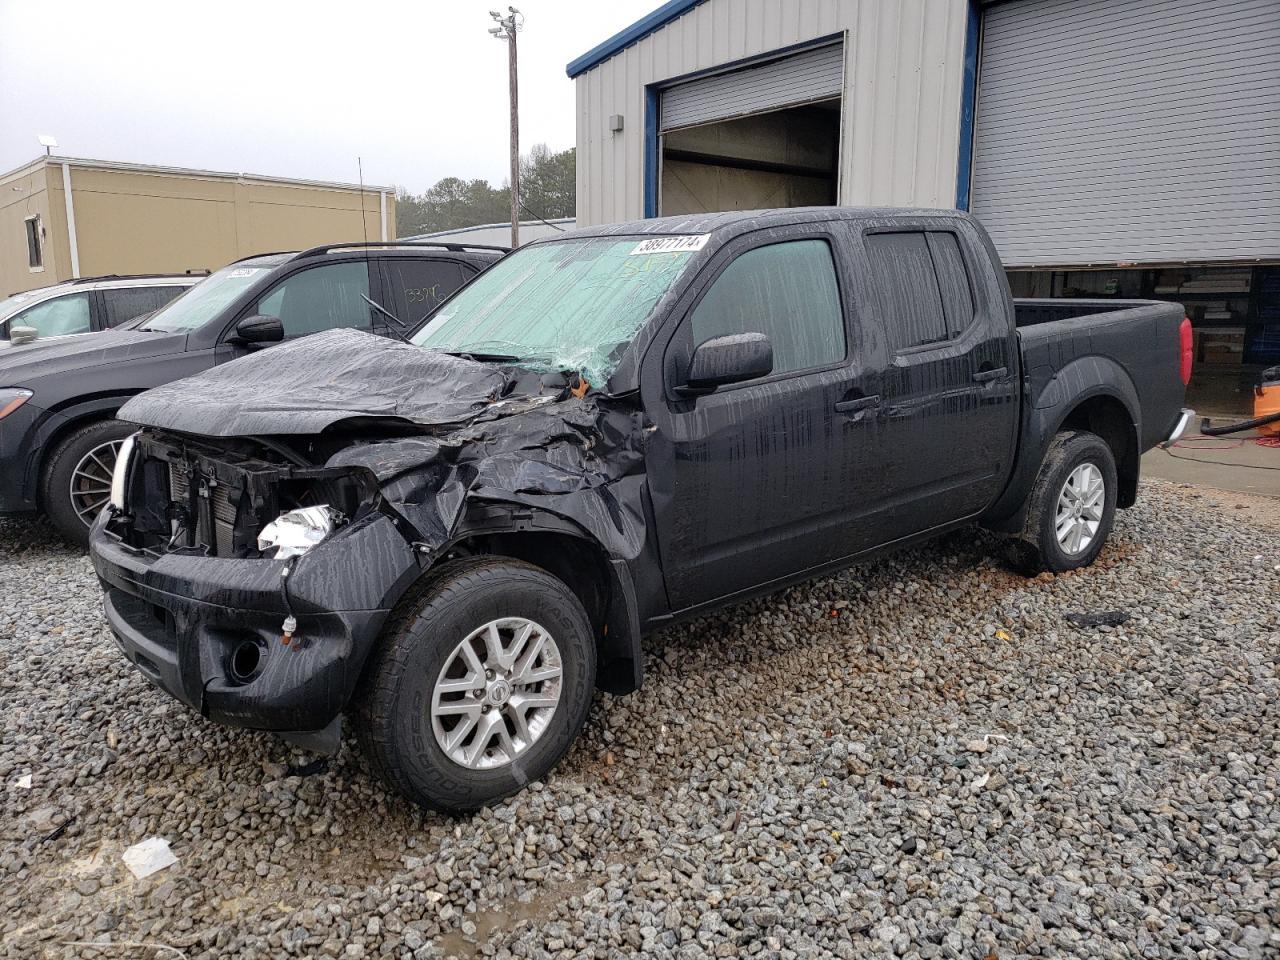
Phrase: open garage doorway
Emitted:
{"points": [[758, 136], [784, 158]]}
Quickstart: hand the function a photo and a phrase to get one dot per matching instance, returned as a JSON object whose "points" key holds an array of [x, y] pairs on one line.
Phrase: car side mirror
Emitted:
{"points": [[729, 359], [21, 335], [259, 329]]}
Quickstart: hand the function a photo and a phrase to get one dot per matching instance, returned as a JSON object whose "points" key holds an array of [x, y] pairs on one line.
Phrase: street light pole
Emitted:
{"points": [[506, 29]]}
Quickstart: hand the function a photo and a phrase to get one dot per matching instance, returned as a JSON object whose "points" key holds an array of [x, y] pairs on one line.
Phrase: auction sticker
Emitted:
{"points": [[241, 272], [671, 245]]}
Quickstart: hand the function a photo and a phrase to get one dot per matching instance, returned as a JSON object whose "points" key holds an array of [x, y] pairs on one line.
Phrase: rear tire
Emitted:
{"points": [[77, 477], [454, 726], [1071, 507]]}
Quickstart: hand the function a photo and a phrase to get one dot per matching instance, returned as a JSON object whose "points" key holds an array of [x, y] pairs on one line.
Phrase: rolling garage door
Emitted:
{"points": [[816, 74], [1112, 131]]}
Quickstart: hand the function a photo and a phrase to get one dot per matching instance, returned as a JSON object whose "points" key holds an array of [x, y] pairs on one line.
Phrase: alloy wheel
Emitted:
{"points": [[497, 693], [91, 480], [1080, 505]]}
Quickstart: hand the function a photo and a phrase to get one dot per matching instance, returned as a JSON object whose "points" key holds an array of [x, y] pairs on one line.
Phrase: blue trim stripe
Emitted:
{"points": [[968, 99], [632, 34], [652, 105]]}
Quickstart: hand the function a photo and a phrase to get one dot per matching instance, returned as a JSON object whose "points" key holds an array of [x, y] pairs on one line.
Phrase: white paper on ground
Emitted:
{"points": [[23, 782], [145, 858]]}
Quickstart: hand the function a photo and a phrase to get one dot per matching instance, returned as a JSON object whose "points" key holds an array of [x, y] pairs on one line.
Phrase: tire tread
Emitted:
{"points": [[376, 694]]}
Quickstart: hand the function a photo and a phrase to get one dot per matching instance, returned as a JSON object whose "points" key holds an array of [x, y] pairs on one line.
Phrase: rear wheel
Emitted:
{"points": [[481, 683], [1071, 507], [77, 477]]}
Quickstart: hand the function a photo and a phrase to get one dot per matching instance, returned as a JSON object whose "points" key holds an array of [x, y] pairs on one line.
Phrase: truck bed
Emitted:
{"points": [[1136, 341], [1030, 312]]}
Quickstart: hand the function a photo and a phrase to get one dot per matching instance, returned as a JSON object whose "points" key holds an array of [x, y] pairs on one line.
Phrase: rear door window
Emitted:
{"points": [[910, 300], [125, 303], [56, 317], [418, 286], [321, 298], [788, 292]]}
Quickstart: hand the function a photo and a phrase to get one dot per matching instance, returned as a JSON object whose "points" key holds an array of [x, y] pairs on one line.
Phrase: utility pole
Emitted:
{"points": [[506, 29]]}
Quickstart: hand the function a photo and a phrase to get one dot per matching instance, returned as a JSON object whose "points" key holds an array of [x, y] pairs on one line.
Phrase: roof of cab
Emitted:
{"points": [[739, 221]]}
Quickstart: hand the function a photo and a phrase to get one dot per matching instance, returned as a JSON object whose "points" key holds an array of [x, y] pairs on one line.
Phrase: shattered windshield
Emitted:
{"points": [[565, 305]]}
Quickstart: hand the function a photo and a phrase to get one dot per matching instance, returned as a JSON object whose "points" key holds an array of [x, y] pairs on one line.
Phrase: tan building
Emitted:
{"points": [[62, 218]]}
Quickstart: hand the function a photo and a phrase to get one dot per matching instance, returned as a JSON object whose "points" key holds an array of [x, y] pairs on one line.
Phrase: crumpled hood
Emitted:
{"points": [[26, 365], [308, 384]]}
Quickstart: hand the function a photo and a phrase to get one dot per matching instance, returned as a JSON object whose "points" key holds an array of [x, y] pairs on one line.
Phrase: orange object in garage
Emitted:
{"points": [[1266, 401]]}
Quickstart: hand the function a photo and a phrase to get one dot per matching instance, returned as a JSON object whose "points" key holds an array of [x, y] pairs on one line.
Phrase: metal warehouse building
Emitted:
{"points": [[1111, 147]]}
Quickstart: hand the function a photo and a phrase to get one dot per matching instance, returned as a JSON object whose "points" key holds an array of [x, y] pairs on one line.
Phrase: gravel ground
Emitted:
{"points": [[920, 757]]}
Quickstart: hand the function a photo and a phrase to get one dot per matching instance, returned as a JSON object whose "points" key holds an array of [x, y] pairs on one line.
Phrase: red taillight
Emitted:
{"points": [[1184, 335]]}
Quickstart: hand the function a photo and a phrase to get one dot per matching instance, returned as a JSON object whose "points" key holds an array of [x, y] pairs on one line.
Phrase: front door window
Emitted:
{"points": [[56, 317], [322, 298]]}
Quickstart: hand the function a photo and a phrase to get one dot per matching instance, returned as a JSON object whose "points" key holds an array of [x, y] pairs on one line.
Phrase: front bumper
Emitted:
{"points": [[208, 630]]}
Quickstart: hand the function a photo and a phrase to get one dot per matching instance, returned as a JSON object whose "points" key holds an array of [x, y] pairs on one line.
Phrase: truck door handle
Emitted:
{"points": [[984, 376], [860, 403]]}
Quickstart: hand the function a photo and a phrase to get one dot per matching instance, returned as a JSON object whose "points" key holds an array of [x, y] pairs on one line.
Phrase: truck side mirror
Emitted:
{"points": [[21, 335], [729, 359], [259, 329]]}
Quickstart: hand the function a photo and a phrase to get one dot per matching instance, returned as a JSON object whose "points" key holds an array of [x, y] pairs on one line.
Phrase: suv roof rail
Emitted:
{"points": [[269, 253], [134, 276], [452, 247], [111, 276]]}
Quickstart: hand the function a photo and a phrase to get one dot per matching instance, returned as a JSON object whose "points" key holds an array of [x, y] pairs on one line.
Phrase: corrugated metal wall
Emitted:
{"points": [[1129, 131], [903, 71]]}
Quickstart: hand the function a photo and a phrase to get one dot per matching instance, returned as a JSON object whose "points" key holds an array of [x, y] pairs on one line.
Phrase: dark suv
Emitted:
{"points": [[58, 433]]}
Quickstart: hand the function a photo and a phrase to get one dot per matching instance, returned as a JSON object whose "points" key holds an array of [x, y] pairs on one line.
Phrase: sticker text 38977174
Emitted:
{"points": [[686, 244]]}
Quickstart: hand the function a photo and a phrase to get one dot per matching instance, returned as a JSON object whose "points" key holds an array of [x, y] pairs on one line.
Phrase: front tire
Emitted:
{"points": [[481, 683], [77, 477], [1071, 507]]}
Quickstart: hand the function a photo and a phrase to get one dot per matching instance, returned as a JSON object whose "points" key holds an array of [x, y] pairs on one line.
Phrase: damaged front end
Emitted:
{"points": [[257, 548], [244, 631], [195, 498]]}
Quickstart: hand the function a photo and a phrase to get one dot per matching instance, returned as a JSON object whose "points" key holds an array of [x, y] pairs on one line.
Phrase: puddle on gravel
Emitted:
{"points": [[538, 909]]}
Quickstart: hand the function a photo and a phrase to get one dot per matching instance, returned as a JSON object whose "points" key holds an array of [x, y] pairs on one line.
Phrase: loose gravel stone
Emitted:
{"points": [[919, 757]]}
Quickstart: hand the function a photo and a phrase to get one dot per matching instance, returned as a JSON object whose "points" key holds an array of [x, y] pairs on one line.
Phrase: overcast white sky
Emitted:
{"points": [[292, 89]]}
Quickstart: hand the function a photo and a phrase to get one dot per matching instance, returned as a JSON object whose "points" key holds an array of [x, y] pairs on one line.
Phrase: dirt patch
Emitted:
{"points": [[1263, 511]]}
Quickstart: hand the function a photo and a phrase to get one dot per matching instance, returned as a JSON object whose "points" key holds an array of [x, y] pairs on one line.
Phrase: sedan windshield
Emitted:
{"points": [[198, 305], [564, 304]]}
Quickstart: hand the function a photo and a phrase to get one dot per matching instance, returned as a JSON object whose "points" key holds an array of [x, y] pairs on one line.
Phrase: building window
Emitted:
{"points": [[35, 256]]}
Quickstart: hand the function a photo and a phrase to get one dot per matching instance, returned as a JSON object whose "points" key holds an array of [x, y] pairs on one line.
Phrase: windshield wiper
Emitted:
{"points": [[382, 310], [385, 312], [482, 357]]}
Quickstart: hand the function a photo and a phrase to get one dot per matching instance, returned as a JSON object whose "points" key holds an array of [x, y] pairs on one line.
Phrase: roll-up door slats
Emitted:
{"points": [[1100, 129], [800, 78]]}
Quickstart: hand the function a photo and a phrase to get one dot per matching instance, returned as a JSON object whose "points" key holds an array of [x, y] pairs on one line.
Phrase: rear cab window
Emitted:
{"points": [[925, 294]]}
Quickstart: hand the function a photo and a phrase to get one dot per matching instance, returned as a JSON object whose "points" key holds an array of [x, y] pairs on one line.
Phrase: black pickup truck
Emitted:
{"points": [[58, 398], [454, 542]]}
